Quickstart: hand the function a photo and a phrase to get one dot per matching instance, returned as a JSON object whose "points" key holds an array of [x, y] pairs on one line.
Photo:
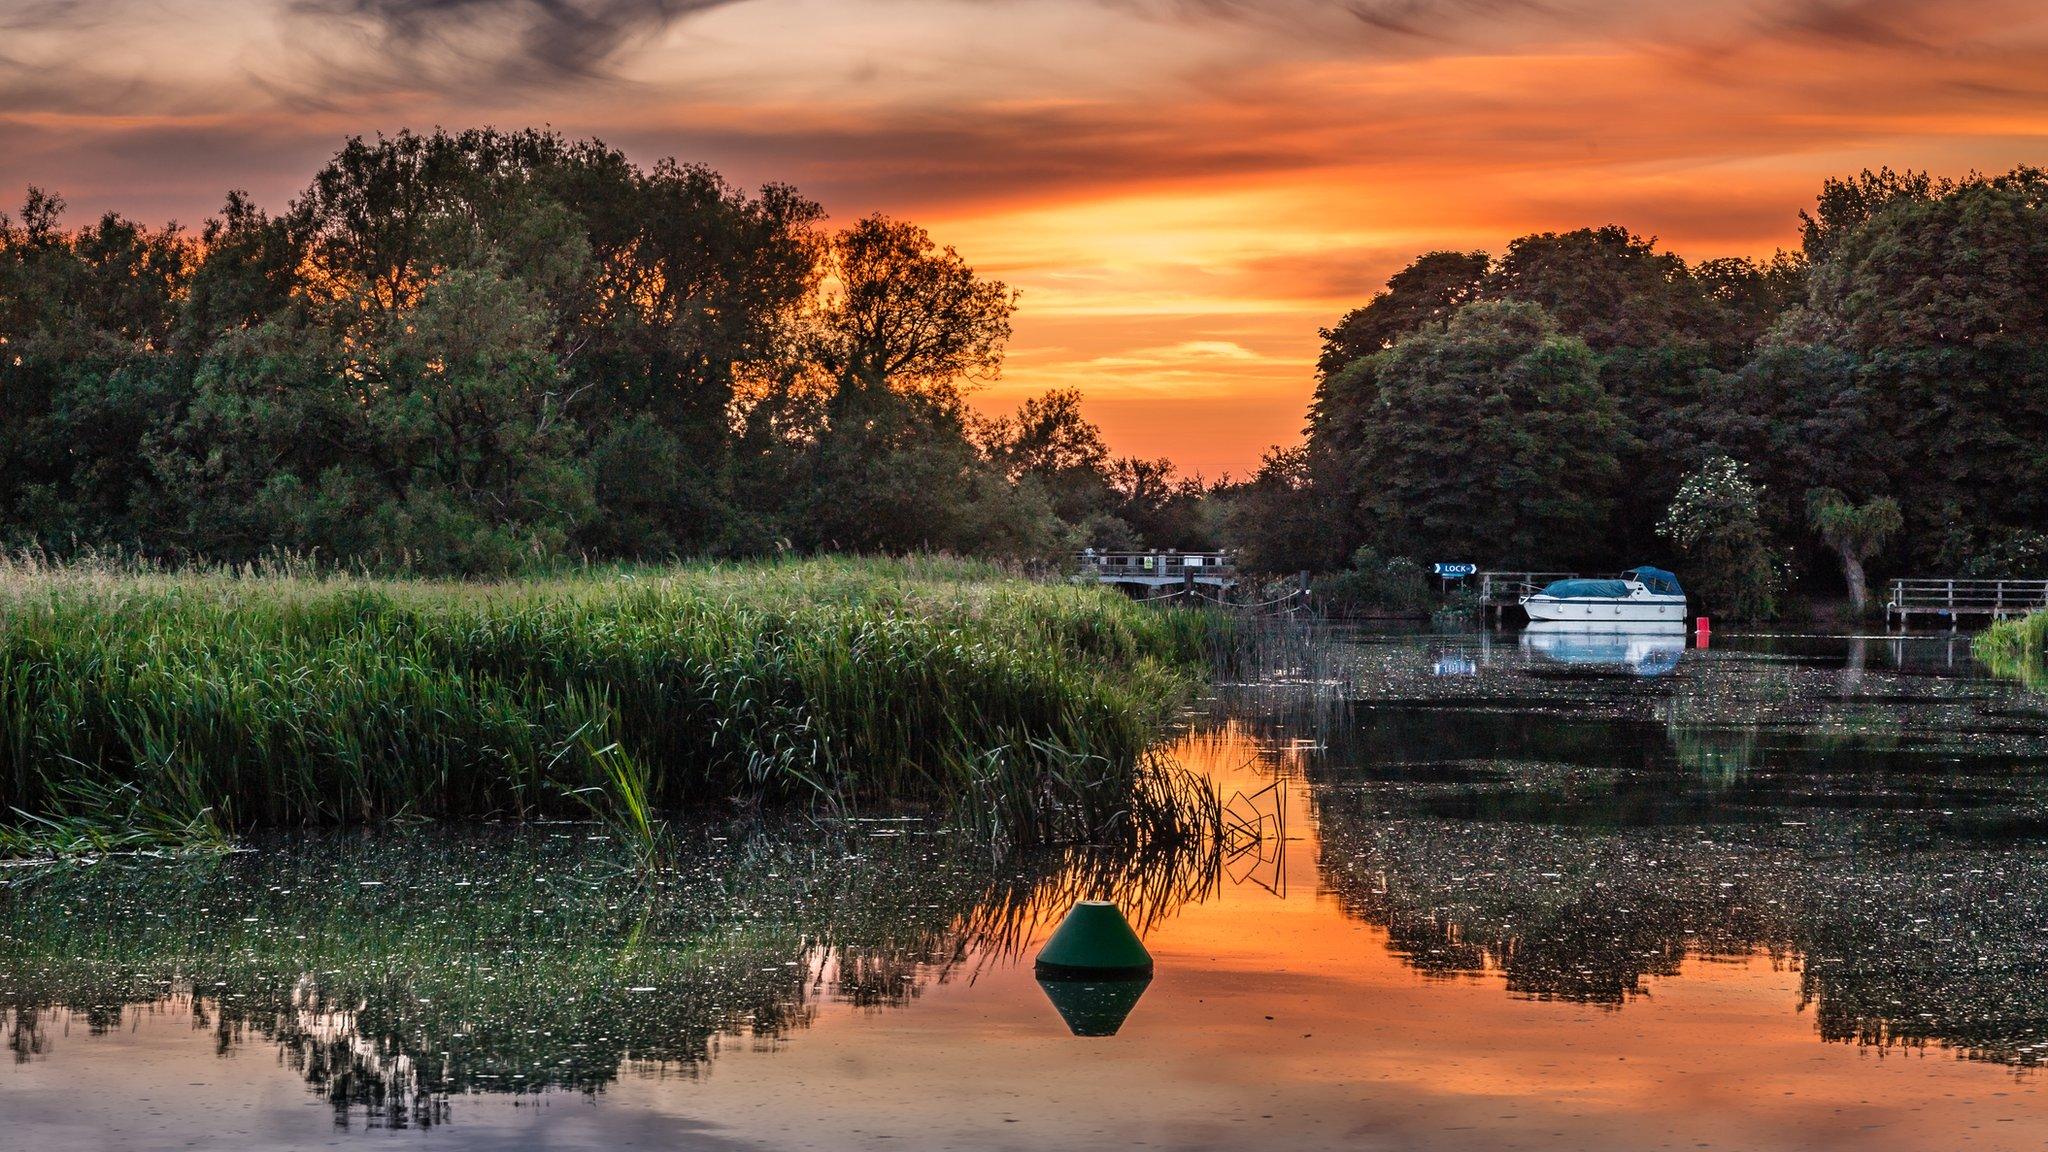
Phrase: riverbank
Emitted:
{"points": [[138, 706]]}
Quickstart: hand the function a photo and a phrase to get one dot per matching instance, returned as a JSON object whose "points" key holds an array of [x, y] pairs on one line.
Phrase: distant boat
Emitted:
{"points": [[1641, 596]]}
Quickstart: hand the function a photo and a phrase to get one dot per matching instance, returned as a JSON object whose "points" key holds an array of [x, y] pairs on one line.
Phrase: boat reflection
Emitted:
{"points": [[1604, 649]]}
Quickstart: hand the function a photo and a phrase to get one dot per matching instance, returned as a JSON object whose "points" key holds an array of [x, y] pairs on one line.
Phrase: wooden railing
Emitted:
{"points": [[1158, 566], [1510, 587], [1952, 598]]}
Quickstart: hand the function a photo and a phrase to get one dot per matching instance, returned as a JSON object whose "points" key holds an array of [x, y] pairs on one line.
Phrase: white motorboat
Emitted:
{"points": [[1641, 596]]}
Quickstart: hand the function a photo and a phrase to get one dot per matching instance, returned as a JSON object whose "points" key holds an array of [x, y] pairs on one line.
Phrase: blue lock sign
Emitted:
{"points": [[1454, 571]]}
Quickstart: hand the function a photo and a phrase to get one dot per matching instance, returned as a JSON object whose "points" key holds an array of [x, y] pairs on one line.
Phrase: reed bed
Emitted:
{"points": [[234, 699], [2016, 649]]}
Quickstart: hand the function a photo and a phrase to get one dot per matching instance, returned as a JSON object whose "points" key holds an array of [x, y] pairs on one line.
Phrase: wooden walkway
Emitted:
{"points": [[1150, 571], [1945, 601]]}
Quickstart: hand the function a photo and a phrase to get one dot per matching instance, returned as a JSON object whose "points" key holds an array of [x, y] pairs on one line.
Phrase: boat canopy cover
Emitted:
{"points": [[1657, 580], [1585, 589]]}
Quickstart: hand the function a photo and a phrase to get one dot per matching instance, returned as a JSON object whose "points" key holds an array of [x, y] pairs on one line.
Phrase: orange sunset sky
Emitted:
{"points": [[1184, 190]]}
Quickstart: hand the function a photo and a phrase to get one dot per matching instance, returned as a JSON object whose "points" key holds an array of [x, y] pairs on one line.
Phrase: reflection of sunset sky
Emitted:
{"points": [[1270, 1023], [1183, 189]]}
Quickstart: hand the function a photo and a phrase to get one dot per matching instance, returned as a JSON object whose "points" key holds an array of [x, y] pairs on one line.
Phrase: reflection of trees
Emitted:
{"points": [[1912, 900], [1880, 828], [393, 972]]}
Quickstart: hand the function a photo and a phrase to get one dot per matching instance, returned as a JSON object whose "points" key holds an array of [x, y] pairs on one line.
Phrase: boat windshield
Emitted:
{"points": [[1657, 581], [1584, 589]]}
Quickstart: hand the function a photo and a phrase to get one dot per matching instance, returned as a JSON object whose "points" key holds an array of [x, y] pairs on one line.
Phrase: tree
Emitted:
{"points": [[1490, 439], [1855, 532], [905, 314], [1164, 508], [1716, 519], [1050, 442], [1607, 286], [897, 473], [1660, 332], [668, 293], [900, 332], [1745, 298], [469, 408], [1277, 521], [1426, 292], [1939, 292], [86, 370], [468, 348]]}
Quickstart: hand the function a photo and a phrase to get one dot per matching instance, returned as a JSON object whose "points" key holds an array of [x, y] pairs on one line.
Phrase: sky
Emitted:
{"points": [[1183, 191]]}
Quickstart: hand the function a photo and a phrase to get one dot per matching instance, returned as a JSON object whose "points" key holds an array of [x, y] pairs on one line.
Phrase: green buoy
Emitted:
{"points": [[1094, 942]]}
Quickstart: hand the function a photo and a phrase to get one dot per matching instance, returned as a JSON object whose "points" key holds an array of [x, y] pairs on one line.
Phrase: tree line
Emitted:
{"points": [[465, 352], [1585, 400]]}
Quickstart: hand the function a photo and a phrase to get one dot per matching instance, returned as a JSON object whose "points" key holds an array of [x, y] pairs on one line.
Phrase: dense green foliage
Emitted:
{"points": [[1451, 424], [1900, 359], [1375, 584], [244, 700], [459, 353]]}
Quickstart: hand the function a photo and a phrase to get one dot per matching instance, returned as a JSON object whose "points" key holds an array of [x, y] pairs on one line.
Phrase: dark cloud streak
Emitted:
{"points": [[48, 15], [1439, 21], [508, 44]]}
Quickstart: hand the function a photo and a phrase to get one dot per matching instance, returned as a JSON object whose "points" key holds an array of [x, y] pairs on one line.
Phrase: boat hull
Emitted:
{"points": [[1607, 610]]}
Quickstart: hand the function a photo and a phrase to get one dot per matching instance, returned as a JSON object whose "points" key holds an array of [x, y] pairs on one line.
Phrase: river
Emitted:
{"points": [[1488, 891]]}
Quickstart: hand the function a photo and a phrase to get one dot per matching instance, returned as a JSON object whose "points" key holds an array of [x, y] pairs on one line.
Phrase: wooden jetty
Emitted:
{"points": [[1149, 572], [1500, 591], [1944, 601]]}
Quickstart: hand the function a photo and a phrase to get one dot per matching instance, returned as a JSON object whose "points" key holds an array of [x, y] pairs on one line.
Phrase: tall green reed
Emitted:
{"points": [[2016, 649], [283, 696]]}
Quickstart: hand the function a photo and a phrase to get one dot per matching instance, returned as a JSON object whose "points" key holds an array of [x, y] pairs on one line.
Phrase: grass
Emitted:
{"points": [[2016, 649], [225, 701]]}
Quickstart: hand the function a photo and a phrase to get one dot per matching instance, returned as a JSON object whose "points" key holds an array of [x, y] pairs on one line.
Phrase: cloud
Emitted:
{"points": [[509, 44], [1859, 23], [42, 15], [1441, 21]]}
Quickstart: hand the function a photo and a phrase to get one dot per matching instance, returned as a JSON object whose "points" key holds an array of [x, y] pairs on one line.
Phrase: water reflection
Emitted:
{"points": [[1702, 873], [1094, 1007], [393, 971], [1593, 649], [1875, 828]]}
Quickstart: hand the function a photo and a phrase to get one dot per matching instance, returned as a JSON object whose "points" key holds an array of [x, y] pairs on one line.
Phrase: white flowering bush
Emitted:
{"points": [[1716, 519]]}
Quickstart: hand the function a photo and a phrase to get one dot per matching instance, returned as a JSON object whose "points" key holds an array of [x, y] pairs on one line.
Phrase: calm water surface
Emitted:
{"points": [[1537, 891]]}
